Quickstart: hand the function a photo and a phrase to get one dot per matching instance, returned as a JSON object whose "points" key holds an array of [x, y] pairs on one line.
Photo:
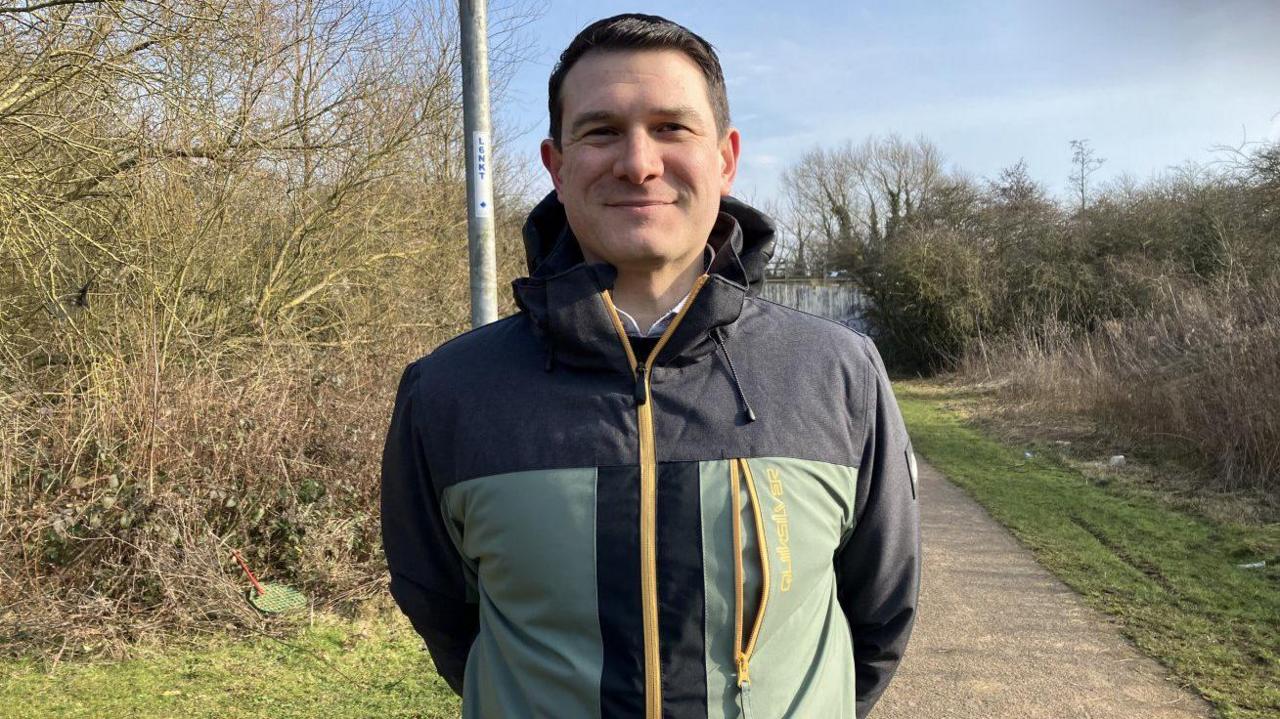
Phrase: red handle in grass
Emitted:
{"points": [[245, 567]]}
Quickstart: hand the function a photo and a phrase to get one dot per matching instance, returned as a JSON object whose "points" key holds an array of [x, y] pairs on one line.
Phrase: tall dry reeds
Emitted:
{"points": [[1198, 375]]}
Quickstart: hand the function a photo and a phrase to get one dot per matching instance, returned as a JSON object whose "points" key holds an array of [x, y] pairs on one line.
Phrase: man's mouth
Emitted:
{"points": [[639, 203]]}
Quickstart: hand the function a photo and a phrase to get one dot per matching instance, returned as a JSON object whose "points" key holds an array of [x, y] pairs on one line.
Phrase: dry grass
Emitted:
{"points": [[121, 503], [125, 481], [1193, 387]]}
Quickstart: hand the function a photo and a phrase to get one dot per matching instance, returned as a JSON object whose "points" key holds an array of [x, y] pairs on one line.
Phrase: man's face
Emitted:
{"points": [[641, 167]]}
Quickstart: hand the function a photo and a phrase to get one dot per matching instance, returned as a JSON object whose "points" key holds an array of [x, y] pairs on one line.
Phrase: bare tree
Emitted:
{"points": [[854, 198], [823, 203], [1086, 162], [797, 251]]}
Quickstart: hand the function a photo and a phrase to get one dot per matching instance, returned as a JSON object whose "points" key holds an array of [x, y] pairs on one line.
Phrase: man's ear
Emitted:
{"points": [[730, 148], [551, 159]]}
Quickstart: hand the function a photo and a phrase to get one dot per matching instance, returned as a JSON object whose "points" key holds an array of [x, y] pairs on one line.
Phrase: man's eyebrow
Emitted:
{"points": [[681, 112], [588, 118], [685, 113]]}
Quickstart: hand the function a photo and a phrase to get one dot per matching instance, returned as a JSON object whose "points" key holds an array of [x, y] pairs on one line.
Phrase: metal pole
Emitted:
{"points": [[476, 133]]}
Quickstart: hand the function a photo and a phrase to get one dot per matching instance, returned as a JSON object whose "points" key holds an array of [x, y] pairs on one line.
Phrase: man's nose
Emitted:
{"points": [[639, 159]]}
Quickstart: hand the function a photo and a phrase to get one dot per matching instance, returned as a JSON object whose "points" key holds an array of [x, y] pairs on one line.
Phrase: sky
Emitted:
{"points": [[1151, 84]]}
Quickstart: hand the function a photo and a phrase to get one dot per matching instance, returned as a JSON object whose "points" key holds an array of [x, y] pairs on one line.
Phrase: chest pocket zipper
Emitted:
{"points": [[738, 471]]}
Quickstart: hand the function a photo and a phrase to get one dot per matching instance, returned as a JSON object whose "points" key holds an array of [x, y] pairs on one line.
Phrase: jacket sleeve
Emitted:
{"points": [[878, 565], [428, 581]]}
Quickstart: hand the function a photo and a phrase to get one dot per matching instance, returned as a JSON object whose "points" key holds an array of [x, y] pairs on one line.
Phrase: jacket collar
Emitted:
{"points": [[563, 294]]}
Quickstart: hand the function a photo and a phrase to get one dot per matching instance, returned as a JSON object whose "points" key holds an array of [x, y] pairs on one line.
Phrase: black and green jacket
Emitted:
{"points": [[725, 525]]}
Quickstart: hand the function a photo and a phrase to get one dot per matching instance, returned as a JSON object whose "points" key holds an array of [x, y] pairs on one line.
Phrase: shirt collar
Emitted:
{"points": [[633, 328]]}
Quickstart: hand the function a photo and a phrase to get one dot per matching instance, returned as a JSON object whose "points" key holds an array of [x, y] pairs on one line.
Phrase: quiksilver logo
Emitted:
{"points": [[781, 523]]}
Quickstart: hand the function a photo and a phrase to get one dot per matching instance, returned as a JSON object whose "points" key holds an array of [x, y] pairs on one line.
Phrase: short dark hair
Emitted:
{"points": [[635, 31]]}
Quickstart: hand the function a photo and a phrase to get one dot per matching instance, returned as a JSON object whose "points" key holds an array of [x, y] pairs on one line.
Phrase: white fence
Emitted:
{"points": [[837, 299]]}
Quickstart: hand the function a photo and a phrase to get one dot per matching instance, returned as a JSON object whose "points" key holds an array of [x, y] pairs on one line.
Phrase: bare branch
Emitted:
{"points": [[47, 4]]}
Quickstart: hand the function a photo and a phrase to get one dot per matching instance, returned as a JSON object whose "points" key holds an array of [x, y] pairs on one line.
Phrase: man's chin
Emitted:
{"points": [[644, 250]]}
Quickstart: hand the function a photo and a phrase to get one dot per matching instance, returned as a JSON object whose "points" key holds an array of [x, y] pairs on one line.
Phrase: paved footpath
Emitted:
{"points": [[999, 637]]}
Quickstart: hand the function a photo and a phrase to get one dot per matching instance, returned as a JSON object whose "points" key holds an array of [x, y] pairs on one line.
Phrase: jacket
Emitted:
{"points": [[727, 527]]}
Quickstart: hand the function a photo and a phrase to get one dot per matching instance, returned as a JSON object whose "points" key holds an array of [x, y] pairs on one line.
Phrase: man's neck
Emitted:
{"points": [[648, 295]]}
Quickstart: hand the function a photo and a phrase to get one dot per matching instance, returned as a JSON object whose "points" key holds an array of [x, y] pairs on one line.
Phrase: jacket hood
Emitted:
{"points": [[562, 293]]}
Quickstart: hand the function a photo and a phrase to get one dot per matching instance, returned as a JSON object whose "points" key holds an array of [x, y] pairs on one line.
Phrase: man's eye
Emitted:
{"points": [[598, 132], [671, 127]]}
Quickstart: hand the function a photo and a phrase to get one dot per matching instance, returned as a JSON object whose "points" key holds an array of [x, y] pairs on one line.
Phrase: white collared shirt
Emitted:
{"points": [[633, 328]]}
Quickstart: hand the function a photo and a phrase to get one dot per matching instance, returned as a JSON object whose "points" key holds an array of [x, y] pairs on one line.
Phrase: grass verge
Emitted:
{"points": [[334, 668], [1171, 578]]}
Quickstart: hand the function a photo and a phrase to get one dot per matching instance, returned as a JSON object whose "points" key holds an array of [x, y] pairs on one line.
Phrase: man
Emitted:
{"points": [[651, 493]]}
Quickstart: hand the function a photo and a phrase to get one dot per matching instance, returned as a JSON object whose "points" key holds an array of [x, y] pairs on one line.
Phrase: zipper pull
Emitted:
{"points": [[744, 687], [640, 394]]}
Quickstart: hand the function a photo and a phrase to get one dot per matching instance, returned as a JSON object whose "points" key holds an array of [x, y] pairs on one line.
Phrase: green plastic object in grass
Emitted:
{"points": [[276, 598], [271, 598]]}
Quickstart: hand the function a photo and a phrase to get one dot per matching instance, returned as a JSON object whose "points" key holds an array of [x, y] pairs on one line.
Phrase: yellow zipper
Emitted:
{"points": [[742, 653], [649, 498]]}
